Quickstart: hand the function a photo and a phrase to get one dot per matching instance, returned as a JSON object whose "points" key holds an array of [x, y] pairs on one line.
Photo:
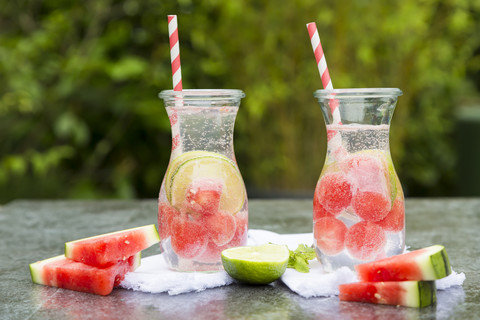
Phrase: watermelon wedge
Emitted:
{"points": [[107, 249], [429, 263], [68, 274], [400, 293]]}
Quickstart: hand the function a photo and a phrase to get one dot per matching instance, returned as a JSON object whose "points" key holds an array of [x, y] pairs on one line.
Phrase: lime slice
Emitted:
{"points": [[202, 164], [256, 265], [173, 166]]}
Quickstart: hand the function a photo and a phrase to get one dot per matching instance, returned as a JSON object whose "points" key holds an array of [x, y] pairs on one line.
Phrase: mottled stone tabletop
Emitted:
{"points": [[35, 230]]}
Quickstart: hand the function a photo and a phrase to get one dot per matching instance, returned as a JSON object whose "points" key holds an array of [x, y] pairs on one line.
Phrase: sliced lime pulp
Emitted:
{"points": [[257, 264], [202, 164]]}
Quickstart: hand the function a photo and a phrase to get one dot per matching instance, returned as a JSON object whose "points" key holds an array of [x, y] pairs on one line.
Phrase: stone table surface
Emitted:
{"points": [[35, 230]]}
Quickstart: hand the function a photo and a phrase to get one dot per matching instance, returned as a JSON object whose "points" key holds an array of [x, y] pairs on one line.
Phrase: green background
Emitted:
{"points": [[80, 116]]}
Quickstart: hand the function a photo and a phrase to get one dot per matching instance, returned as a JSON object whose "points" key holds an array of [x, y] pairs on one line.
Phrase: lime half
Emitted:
{"points": [[202, 164], [256, 265]]}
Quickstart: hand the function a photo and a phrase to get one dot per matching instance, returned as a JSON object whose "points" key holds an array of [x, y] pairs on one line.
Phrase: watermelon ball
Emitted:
{"points": [[370, 205], [203, 196], [334, 192], [220, 227], [318, 210], [395, 220], [329, 234], [365, 169], [213, 252], [365, 240], [241, 223], [166, 214], [188, 237]]}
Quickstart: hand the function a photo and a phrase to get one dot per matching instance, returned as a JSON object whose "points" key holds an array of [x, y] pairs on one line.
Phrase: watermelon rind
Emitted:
{"points": [[137, 260], [434, 263], [49, 278], [36, 268], [419, 294], [149, 231], [431, 262], [416, 294]]}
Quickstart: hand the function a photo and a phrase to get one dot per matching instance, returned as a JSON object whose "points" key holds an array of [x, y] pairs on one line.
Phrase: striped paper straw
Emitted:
{"points": [[332, 136], [322, 68], [175, 52], [176, 76]]}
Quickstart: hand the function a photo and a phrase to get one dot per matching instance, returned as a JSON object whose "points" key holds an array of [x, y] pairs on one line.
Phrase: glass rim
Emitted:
{"points": [[202, 94], [357, 93]]}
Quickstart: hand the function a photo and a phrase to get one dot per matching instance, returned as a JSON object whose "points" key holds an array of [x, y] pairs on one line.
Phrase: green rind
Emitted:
{"points": [[36, 268], [427, 292], [434, 263], [418, 294], [151, 236], [137, 260], [430, 263]]}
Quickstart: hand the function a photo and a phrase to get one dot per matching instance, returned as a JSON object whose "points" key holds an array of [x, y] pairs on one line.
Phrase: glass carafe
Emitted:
{"points": [[202, 205], [359, 212]]}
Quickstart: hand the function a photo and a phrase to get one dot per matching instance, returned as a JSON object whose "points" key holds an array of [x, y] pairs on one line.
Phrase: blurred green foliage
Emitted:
{"points": [[80, 117]]}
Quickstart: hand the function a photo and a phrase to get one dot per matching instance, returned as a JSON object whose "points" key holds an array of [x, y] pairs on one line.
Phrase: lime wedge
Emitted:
{"points": [[202, 164], [256, 265]]}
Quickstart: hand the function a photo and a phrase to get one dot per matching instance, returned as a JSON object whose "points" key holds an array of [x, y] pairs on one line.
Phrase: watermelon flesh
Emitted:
{"points": [[65, 273], [429, 263], [400, 293], [106, 250]]}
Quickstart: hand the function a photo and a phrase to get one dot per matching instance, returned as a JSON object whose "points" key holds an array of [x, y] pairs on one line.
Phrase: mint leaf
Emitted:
{"points": [[299, 258], [301, 265]]}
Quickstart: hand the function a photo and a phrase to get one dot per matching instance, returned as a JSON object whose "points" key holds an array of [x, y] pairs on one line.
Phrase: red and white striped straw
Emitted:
{"points": [[332, 136], [176, 75], [323, 69], [175, 52]]}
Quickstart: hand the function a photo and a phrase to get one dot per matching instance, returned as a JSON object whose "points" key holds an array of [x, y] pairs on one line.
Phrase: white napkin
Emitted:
{"points": [[318, 283], [154, 276]]}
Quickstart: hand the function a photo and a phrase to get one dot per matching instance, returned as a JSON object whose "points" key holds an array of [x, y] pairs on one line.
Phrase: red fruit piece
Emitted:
{"points": [[334, 192], [318, 210], [395, 220], [365, 240], [371, 206], [188, 237], [365, 170], [220, 227], [213, 252], [329, 234], [203, 196], [166, 214], [241, 223]]}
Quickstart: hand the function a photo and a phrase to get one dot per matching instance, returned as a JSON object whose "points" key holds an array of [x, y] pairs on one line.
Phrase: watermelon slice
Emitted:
{"points": [[429, 263], [68, 274], [400, 293], [107, 249]]}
